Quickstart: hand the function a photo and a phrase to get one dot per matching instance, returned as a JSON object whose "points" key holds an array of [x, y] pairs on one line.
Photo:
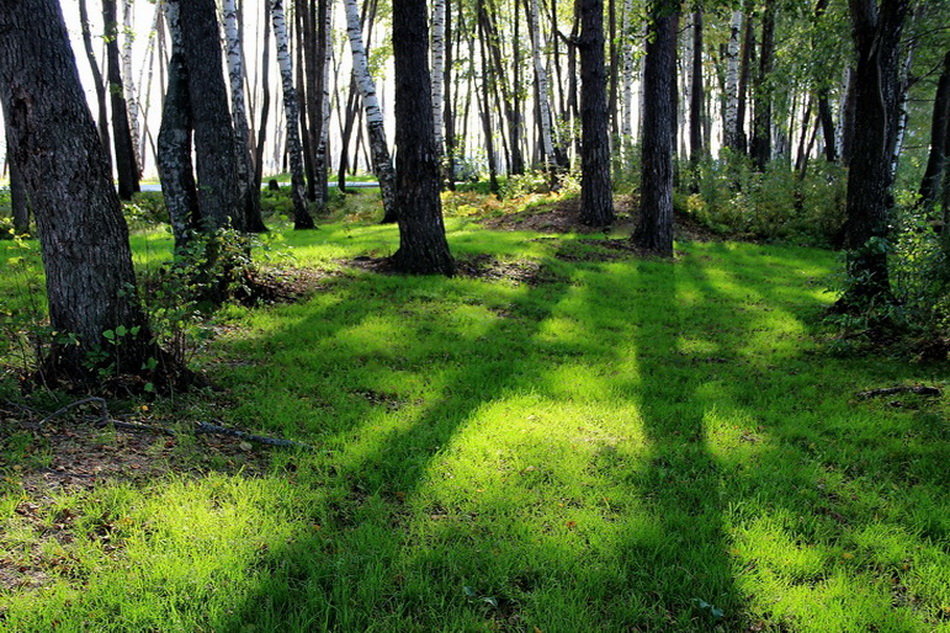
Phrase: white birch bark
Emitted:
{"points": [[842, 107], [291, 110], [626, 66], [322, 151], [234, 53], [128, 78], [438, 71], [374, 116], [731, 115], [541, 74]]}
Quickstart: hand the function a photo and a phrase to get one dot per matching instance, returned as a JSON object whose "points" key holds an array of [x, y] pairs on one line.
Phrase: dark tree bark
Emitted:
{"points": [[302, 40], [597, 208], [265, 108], [877, 32], [125, 159], [697, 98], [423, 248], [100, 85], [485, 102], [19, 200], [175, 166], [86, 256], [319, 103], [654, 232], [825, 117], [936, 163], [761, 148], [218, 192], [745, 72]]}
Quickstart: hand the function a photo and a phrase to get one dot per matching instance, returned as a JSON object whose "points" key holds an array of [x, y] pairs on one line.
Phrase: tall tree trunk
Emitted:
{"points": [[438, 69], [19, 199], [423, 248], [298, 46], [249, 198], [97, 79], [487, 128], [382, 161], [730, 125], [745, 74], [627, 70], [175, 167], [877, 33], [825, 117], [302, 217], [541, 77], [90, 282], [697, 98], [761, 149], [448, 113], [324, 53], [937, 160], [597, 207], [265, 103], [654, 231], [124, 151], [128, 80], [219, 199]]}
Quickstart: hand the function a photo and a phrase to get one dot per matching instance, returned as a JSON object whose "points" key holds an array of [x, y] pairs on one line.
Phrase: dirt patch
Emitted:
{"points": [[274, 285], [522, 271]]}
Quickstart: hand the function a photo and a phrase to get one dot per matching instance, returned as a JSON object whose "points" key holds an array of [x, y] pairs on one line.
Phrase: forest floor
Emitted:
{"points": [[565, 437]]}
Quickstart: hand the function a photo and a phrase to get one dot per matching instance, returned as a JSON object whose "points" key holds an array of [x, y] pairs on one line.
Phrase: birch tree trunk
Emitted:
{"points": [[265, 102], [627, 69], [541, 77], [175, 167], [302, 218], [249, 199], [438, 70], [731, 112], [128, 80], [325, 53], [374, 116], [125, 161]]}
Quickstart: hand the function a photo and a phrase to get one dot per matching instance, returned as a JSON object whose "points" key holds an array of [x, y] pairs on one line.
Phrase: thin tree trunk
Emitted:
{"points": [[627, 70], [299, 46], [654, 231], [696, 145], [302, 217], [940, 122], [121, 133], [19, 199], [324, 52], [249, 198], [265, 103], [98, 81], [374, 117], [485, 109], [174, 158], [745, 73], [128, 80], [423, 248], [448, 114], [761, 149], [438, 69], [597, 207], [731, 110], [541, 77]]}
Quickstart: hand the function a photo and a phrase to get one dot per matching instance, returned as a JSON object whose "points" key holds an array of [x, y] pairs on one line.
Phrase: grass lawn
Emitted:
{"points": [[619, 445]]}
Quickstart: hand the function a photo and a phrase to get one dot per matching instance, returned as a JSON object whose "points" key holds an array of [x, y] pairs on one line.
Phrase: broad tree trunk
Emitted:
{"points": [[302, 217], [597, 207], [249, 197], [730, 125], [877, 33], [654, 231], [219, 200], [175, 167], [124, 150], [382, 161], [940, 122], [761, 149], [90, 282], [100, 86], [423, 248]]}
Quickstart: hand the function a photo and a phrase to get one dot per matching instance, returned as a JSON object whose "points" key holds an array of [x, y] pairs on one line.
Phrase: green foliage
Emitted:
{"points": [[146, 210], [776, 205]]}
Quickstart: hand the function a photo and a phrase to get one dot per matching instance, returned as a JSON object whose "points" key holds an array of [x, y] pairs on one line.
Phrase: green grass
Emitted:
{"points": [[635, 446]]}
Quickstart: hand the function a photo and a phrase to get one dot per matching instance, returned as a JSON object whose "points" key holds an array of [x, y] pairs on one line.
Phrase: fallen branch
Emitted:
{"points": [[104, 409], [919, 390], [214, 429]]}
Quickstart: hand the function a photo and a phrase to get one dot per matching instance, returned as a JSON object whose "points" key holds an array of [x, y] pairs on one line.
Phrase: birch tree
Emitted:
{"points": [[438, 70], [249, 198], [128, 80], [125, 161], [374, 116], [302, 217], [731, 110], [541, 77]]}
